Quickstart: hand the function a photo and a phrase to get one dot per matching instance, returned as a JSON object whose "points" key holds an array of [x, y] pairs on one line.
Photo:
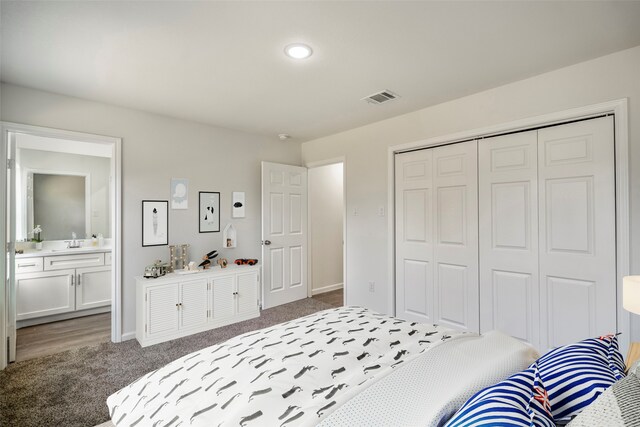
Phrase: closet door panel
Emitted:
{"points": [[452, 301], [508, 233], [577, 238], [571, 305], [414, 241], [456, 235]]}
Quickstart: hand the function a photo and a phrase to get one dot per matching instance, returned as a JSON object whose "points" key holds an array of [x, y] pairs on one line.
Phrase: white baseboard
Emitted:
{"points": [[328, 288], [129, 336]]}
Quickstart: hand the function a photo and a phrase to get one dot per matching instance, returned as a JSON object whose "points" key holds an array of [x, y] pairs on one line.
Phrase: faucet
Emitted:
{"points": [[73, 243]]}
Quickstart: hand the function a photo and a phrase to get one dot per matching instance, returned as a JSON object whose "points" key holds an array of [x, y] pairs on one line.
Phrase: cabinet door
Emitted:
{"points": [[247, 292], [163, 309], [93, 287], [223, 298], [43, 294], [193, 303]]}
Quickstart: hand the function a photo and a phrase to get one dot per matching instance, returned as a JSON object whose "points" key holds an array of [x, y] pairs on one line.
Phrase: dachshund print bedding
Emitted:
{"points": [[295, 373]]}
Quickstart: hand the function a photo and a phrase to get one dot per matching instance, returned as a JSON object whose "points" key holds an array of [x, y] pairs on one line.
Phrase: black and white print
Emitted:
{"points": [[209, 211], [155, 222]]}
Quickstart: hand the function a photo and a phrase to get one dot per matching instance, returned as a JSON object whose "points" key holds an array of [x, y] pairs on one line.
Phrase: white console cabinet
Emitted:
{"points": [[177, 305]]}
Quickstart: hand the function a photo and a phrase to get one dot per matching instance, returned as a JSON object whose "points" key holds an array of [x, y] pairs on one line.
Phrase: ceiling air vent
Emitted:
{"points": [[381, 97]]}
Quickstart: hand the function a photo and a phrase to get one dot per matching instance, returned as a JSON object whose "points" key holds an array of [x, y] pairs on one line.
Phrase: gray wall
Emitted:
{"points": [[155, 149], [603, 79]]}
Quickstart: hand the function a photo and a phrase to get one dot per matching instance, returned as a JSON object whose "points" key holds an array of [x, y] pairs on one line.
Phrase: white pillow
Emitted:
{"points": [[616, 407]]}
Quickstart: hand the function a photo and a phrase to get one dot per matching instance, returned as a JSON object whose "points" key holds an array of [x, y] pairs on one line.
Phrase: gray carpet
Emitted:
{"points": [[71, 388]]}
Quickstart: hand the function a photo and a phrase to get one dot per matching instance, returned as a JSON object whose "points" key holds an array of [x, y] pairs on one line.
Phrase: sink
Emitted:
{"points": [[74, 249]]}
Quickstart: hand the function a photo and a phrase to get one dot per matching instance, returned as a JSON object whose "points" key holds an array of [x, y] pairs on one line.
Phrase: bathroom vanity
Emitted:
{"points": [[60, 284]]}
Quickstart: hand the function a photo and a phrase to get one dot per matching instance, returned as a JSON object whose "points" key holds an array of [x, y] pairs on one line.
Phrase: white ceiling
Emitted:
{"points": [[222, 63]]}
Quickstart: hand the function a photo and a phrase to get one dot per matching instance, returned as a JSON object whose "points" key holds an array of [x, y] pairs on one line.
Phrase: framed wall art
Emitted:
{"points": [[179, 193], [237, 204], [155, 222], [209, 211]]}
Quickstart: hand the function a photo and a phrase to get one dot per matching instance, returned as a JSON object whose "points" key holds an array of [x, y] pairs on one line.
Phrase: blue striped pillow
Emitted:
{"points": [[520, 400], [575, 375]]}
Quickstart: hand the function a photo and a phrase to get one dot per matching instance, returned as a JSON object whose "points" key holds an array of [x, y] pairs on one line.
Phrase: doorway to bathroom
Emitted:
{"points": [[62, 287], [326, 196]]}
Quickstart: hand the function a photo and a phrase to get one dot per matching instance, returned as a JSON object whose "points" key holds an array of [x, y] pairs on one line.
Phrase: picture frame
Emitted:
{"points": [[179, 193], [237, 204], [209, 212], [155, 223]]}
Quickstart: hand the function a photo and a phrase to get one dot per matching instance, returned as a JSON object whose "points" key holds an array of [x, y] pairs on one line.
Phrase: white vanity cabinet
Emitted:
{"points": [[178, 305], [61, 284]]}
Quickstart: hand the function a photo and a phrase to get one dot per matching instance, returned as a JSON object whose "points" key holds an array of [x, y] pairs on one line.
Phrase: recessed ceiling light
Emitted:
{"points": [[298, 51]]}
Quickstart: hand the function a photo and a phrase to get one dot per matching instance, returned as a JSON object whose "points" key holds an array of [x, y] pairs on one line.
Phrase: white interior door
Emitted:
{"points": [[577, 231], [508, 219], [284, 234], [414, 236], [455, 183]]}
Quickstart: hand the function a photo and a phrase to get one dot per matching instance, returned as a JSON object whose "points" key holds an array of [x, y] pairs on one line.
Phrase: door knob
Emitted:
{"points": [[266, 242]]}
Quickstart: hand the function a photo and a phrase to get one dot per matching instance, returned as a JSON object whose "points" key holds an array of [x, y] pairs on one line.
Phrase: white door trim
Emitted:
{"points": [[316, 164], [621, 127], [3, 262], [116, 215]]}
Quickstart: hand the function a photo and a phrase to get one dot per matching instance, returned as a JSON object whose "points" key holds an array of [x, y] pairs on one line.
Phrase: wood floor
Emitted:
{"points": [[51, 338], [335, 298]]}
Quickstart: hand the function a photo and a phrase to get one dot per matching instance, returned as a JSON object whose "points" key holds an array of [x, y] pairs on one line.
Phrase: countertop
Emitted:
{"points": [[30, 253], [212, 271]]}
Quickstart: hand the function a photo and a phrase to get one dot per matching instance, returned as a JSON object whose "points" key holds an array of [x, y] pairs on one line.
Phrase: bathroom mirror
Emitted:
{"points": [[59, 203], [64, 188]]}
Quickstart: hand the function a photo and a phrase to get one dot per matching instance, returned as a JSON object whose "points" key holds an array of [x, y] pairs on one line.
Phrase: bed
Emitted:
{"points": [[339, 367]]}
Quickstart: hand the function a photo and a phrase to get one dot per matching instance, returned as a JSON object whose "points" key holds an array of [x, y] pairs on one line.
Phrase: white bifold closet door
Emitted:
{"points": [[547, 233], [576, 176], [508, 193], [436, 236]]}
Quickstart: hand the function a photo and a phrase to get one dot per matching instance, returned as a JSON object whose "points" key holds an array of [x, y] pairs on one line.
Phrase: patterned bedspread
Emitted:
{"points": [[295, 373]]}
